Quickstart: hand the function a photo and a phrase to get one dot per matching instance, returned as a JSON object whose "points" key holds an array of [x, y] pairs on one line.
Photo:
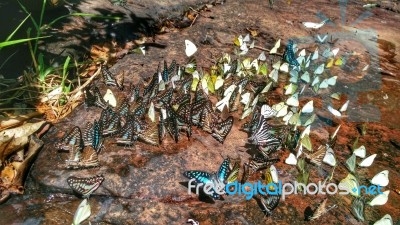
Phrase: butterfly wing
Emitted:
{"points": [[269, 203], [199, 176], [223, 170], [221, 130]]}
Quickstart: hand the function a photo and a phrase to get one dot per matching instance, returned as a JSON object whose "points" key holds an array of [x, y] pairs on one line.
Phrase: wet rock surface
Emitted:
{"points": [[143, 184]]}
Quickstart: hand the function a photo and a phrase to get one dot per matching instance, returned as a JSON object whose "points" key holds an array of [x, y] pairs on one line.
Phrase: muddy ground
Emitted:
{"points": [[143, 183]]}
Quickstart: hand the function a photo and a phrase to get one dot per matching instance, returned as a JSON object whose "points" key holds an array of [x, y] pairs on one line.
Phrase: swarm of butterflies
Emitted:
{"points": [[311, 72], [177, 98]]}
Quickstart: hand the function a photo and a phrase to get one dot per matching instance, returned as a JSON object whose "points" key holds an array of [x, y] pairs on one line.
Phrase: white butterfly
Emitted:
{"points": [[306, 131], [190, 48], [82, 213], [319, 70], [291, 159], [338, 113], [380, 199], [335, 51], [308, 107], [219, 82], [266, 88], [350, 183], [275, 48], [368, 161], [385, 220], [322, 40], [245, 98], [284, 67], [293, 100], [315, 54], [299, 151], [225, 101], [151, 112], [262, 56], [274, 174], [315, 25], [329, 157], [110, 98], [326, 82], [360, 151], [281, 108], [381, 179], [290, 89], [305, 77], [274, 75], [287, 117]]}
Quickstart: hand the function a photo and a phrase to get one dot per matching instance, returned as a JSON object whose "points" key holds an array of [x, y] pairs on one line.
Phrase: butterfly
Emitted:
{"points": [[97, 136], [234, 172], [257, 164], [89, 98], [217, 179], [108, 77], [357, 208], [86, 158], [164, 97], [321, 210], [126, 135], [150, 135], [88, 134], [269, 203], [73, 138], [134, 92], [185, 112], [100, 102], [123, 109], [251, 125], [322, 40], [221, 130], [207, 118], [263, 135], [317, 157], [119, 81], [140, 110], [190, 48], [197, 108], [234, 101], [151, 87], [289, 56], [112, 125], [85, 186]]}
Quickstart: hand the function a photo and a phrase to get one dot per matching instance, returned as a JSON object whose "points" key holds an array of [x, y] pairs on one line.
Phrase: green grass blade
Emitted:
{"points": [[16, 29], [14, 42]]}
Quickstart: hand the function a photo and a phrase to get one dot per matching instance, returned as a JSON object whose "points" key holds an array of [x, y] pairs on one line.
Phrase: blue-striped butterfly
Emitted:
{"points": [[100, 102], [126, 135], [289, 56], [71, 139], [218, 180], [85, 186]]}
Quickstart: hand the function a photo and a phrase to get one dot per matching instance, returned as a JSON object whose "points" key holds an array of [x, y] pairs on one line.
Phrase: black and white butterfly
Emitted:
{"points": [[85, 186], [221, 130]]}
